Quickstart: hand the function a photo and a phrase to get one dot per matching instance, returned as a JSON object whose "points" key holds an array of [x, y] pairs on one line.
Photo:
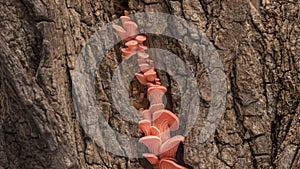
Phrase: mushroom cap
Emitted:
{"points": [[150, 75], [131, 43], [127, 56], [142, 47], [141, 78], [152, 143], [147, 115], [169, 164], [155, 87], [156, 96], [125, 19], [155, 107], [144, 67], [120, 31], [169, 148], [152, 158], [150, 72], [154, 131], [144, 127], [131, 28], [126, 50], [162, 116], [140, 38]]}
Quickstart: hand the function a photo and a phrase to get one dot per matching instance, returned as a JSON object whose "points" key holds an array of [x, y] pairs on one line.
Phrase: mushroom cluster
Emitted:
{"points": [[157, 121]]}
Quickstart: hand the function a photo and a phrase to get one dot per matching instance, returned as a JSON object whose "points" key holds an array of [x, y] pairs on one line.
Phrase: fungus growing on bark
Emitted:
{"points": [[153, 143], [165, 121], [169, 164], [169, 148], [152, 158], [162, 116], [141, 78], [150, 75], [147, 115], [156, 94], [154, 131], [155, 107], [144, 127], [157, 121]]}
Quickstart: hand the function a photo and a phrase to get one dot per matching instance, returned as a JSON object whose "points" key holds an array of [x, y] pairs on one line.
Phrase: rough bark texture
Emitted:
{"points": [[259, 47]]}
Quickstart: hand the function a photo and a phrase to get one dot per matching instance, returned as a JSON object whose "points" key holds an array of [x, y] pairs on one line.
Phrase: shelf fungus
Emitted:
{"points": [[158, 122]]}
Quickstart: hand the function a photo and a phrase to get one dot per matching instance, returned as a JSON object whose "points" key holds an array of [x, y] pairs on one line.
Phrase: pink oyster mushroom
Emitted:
{"points": [[169, 164], [153, 143], [155, 93], [157, 122], [165, 121]]}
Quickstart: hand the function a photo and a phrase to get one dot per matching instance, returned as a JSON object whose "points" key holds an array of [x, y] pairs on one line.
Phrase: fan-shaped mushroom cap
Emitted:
{"points": [[141, 78], [120, 31], [147, 115], [159, 117], [150, 75], [152, 143], [125, 19], [154, 131], [169, 148], [169, 164], [131, 43], [131, 28], [140, 38], [153, 159], [154, 87], [144, 127], [155, 107], [126, 50], [142, 47], [156, 95], [144, 67]]}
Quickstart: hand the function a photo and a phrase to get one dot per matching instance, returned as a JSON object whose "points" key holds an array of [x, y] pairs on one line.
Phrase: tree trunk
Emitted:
{"points": [[258, 44]]}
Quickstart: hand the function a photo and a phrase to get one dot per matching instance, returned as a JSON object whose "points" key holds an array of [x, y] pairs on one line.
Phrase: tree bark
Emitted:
{"points": [[259, 47]]}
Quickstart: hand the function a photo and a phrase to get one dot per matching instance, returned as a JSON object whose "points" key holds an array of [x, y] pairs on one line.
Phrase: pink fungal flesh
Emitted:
{"points": [[154, 131], [140, 38], [156, 96], [169, 148], [144, 67], [120, 31], [159, 117], [125, 19], [158, 122], [144, 126], [131, 43], [147, 115], [154, 87], [131, 28], [155, 107], [152, 143], [150, 75], [141, 78], [153, 159], [142, 47], [169, 164]]}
